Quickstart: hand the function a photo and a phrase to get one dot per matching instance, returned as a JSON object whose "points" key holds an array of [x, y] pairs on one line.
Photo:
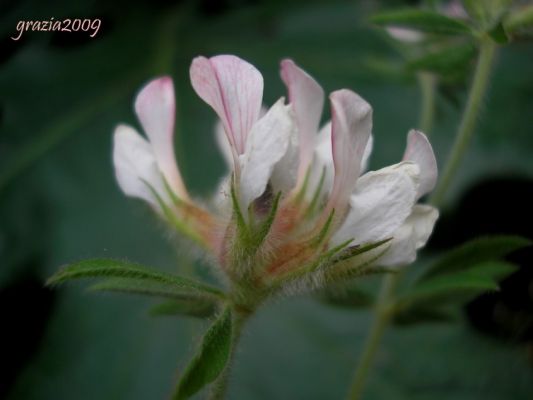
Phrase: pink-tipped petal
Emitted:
{"points": [[234, 89], [351, 125], [419, 151], [156, 108], [307, 99]]}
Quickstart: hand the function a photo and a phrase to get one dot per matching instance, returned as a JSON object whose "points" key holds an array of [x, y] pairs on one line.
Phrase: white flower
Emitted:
{"points": [[301, 204]]}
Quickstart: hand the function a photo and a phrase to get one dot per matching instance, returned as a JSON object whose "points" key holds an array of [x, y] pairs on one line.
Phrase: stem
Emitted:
{"points": [[381, 318], [468, 122], [464, 134], [219, 387], [427, 84]]}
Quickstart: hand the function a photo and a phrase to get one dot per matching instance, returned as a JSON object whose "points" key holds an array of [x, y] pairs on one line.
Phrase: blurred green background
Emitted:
{"points": [[62, 94]]}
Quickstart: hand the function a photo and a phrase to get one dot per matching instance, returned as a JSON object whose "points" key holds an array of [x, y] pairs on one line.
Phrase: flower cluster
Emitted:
{"points": [[297, 209]]}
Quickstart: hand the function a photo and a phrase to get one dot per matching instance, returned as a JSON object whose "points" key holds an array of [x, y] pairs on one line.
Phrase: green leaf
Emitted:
{"points": [[418, 315], [422, 20], [150, 288], [200, 307], [486, 12], [475, 252], [347, 297], [111, 268], [445, 61], [519, 21], [446, 289], [211, 358]]}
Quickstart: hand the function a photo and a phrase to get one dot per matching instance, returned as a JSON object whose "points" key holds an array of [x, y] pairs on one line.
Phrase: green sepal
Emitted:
{"points": [[210, 359], [125, 270], [171, 216], [316, 195], [264, 228], [422, 20], [243, 231], [199, 307], [354, 251], [475, 252], [318, 239]]}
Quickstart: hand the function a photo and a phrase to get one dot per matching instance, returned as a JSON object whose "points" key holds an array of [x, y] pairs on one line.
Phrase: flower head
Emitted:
{"points": [[300, 209]]}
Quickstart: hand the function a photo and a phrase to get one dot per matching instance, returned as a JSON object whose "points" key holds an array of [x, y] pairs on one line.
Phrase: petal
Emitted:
{"points": [[234, 89], [135, 165], [223, 144], [351, 124], [285, 173], [380, 203], [322, 163], [420, 152], [410, 237], [366, 154], [155, 106], [267, 144], [307, 99]]}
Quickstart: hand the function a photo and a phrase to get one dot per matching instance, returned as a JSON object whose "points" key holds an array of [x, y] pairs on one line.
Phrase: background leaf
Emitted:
{"points": [[474, 252], [194, 307], [422, 20]]}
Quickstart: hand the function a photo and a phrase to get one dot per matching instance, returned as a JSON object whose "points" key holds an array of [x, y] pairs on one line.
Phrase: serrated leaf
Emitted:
{"points": [[347, 297], [111, 268], [211, 358], [475, 252], [445, 61], [422, 20], [193, 307]]}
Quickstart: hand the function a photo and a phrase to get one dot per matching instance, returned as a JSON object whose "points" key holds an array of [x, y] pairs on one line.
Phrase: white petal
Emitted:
{"points": [[135, 165], [267, 144], [351, 125], [234, 89], [419, 151], [155, 106], [380, 203], [322, 163], [307, 99], [366, 154], [285, 173], [411, 236], [223, 144]]}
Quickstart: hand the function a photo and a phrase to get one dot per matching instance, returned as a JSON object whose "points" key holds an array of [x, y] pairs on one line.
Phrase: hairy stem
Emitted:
{"points": [[469, 119], [220, 386], [379, 324]]}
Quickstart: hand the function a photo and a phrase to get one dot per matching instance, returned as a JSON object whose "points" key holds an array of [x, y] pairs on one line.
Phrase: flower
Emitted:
{"points": [[300, 210]]}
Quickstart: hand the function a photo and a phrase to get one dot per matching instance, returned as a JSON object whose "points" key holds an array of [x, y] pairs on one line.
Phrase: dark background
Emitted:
{"points": [[61, 94]]}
